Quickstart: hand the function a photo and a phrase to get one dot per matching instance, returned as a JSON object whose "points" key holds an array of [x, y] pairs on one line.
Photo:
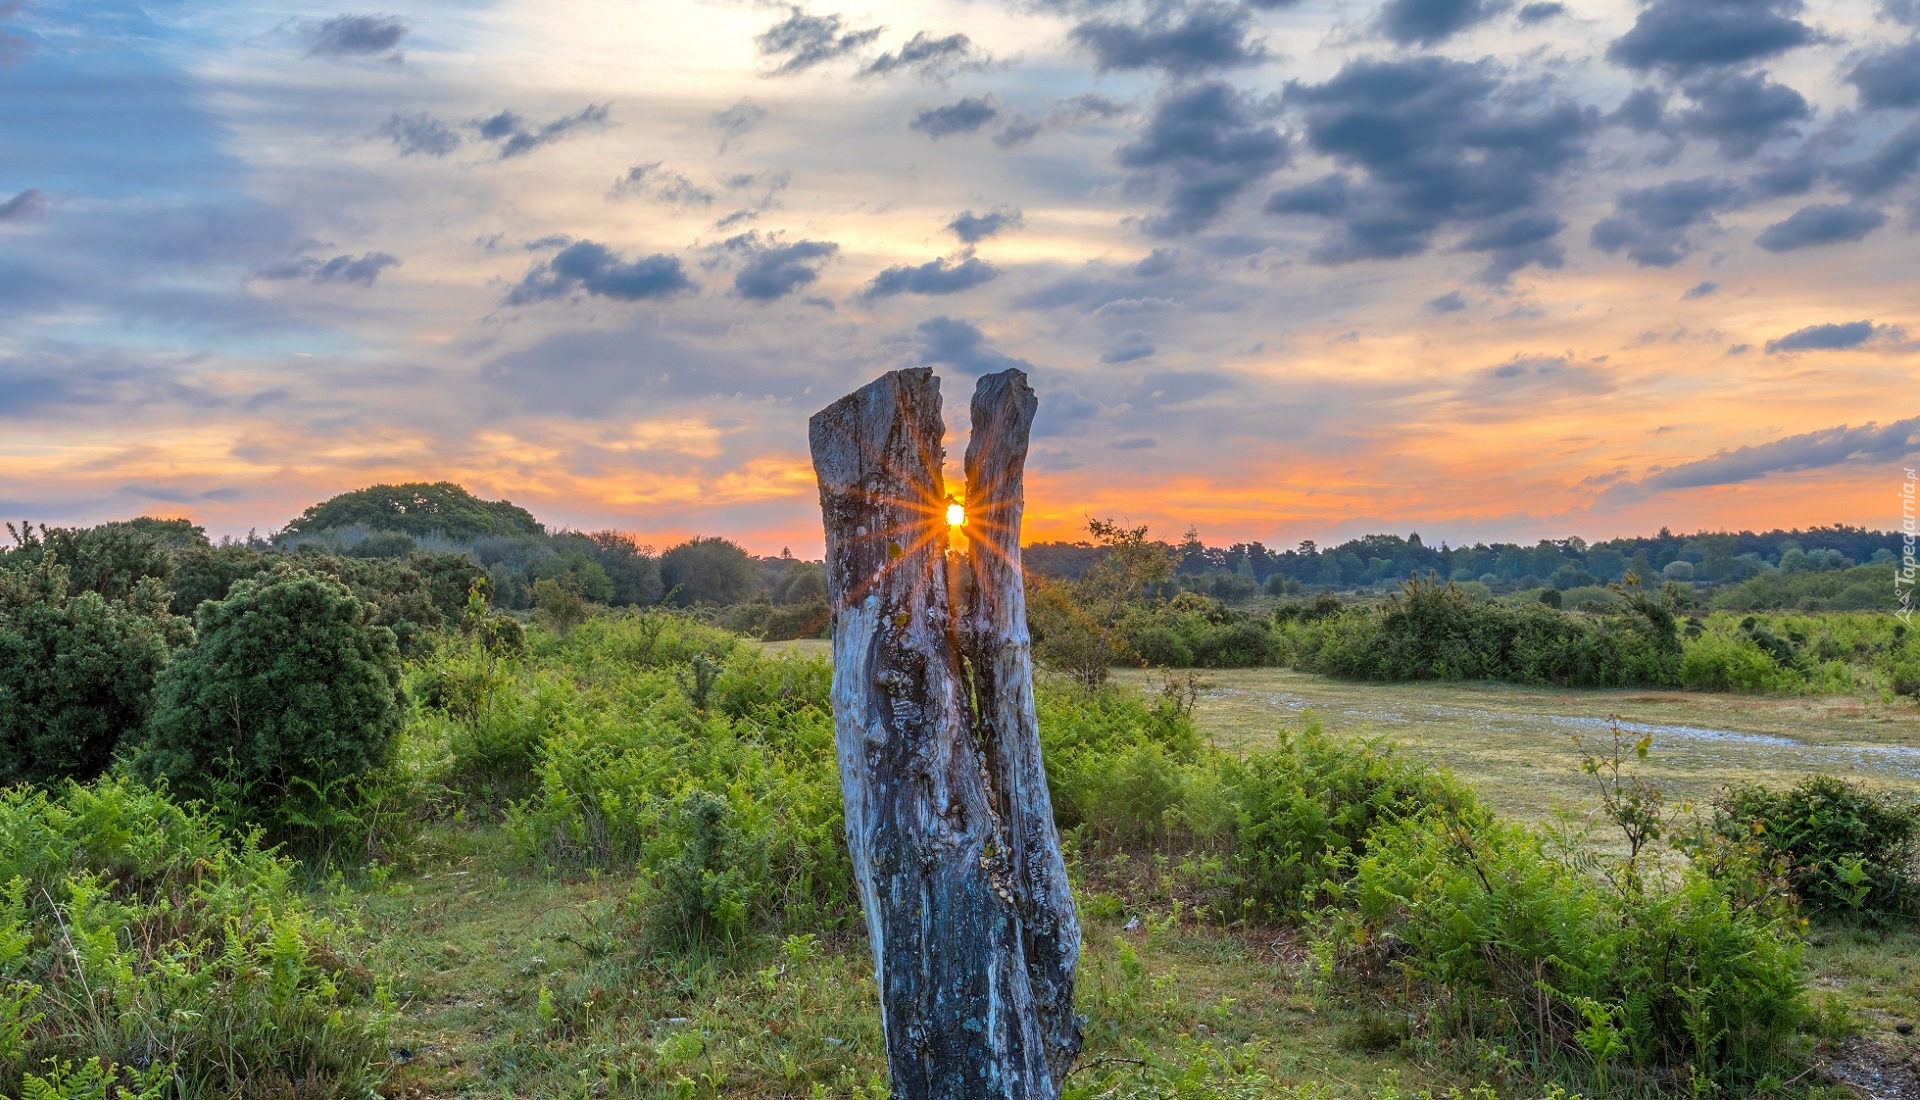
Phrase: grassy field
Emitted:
{"points": [[1522, 745], [513, 983]]}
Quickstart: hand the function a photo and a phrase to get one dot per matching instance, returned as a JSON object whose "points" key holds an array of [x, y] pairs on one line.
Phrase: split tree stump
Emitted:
{"points": [[948, 818]]}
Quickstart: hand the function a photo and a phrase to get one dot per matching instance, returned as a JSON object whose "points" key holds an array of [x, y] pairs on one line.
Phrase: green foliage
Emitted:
{"points": [[773, 622], [713, 571], [558, 606], [416, 597], [77, 669], [1860, 588], [1435, 631], [286, 698], [703, 873], [418, 509], [643, 711], [113, 559], [1850, 851], [142, 935], [1082, 628]]}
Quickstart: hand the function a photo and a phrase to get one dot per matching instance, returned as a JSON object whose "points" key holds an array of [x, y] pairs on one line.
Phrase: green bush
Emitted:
{"points": [[288, 696], [77, 670], [1668, 983], [772, 622], [1306, 808], [1849, 850], [625, 747], [136, 933], [1434, 631]]}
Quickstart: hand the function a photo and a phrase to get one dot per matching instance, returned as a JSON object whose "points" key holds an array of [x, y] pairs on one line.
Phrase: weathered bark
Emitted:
{"points": [[948, 819]]}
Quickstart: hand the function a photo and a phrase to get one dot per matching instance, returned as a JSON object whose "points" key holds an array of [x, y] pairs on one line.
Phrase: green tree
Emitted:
{"points": [[1081, 627], [417, 508], [76, 670], [111, 559], [288, 692], [709, 571]]}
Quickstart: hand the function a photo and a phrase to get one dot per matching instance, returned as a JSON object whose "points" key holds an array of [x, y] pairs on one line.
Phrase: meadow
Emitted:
{"points": [[598, 852]]}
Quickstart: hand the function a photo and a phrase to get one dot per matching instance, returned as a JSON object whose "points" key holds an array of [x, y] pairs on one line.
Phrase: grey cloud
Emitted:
{"points": [[1161, 261], [964, 117], [1137, 443], [804, 41], [1820, 224], [1538, 365], [1181, 40], [340, 269], [737, 121], [420, 133], [1740, 112], [1654, 224], [1810, 451], [935, 277], [932, 58], [1326, 197], [1132, 346], [43, 381], [1782, 176], [1886, 168], [1211, 141], [355, 36], [1889, 78], [1683, 37], [23, 206], [516, 139], [973, 228], [1539, 12], [1430, 22], [1836, 337], [1450, 302], [950, 342], [655, 180], [1441, 142], [599, 271], [1701, 290], [1643, 111], [775, 268], [1515, 242], [1018, 132], [1087, 107]]}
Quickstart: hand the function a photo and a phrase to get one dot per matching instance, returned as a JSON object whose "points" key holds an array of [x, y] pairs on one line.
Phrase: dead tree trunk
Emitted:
{"points": [[948, 819]]}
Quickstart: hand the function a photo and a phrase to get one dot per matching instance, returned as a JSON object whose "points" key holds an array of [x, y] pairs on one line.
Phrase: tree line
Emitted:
{"points": [[1383, 560]]}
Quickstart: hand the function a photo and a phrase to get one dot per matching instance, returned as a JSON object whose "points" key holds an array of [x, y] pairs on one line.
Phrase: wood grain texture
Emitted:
{"points": [[954, 868]]}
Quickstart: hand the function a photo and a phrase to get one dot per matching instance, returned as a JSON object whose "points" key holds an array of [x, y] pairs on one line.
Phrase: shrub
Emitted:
{"points": [[625, 747], [1850, 850], [135, 932], [287, 696], [1510, 946], [76, 670], [1306, 808], [1435, 631]]}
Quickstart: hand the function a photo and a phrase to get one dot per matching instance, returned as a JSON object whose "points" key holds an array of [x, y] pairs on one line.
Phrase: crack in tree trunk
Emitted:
{"points": [[948, 818]]}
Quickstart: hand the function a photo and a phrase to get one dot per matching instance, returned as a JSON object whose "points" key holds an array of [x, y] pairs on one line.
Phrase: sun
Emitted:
{"points": [[956, 514]]}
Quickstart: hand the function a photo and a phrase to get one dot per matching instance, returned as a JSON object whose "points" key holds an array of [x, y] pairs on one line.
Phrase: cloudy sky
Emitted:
{"points": [[1281, 270]]}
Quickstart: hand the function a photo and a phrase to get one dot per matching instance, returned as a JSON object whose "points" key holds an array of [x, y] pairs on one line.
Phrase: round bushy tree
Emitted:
{"points": [[710, 571], [76, 673], [288, 691]]}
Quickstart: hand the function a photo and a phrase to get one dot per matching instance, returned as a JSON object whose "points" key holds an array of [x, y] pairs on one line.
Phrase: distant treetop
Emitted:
{"points": [[417, 508]]}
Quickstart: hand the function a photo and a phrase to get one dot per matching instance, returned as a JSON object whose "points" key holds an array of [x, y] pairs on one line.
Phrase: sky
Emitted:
{"points": [[1482, 269]]}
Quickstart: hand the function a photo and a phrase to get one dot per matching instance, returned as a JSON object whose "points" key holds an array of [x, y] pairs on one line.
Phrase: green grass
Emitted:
{"points": [[469, 951]]}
